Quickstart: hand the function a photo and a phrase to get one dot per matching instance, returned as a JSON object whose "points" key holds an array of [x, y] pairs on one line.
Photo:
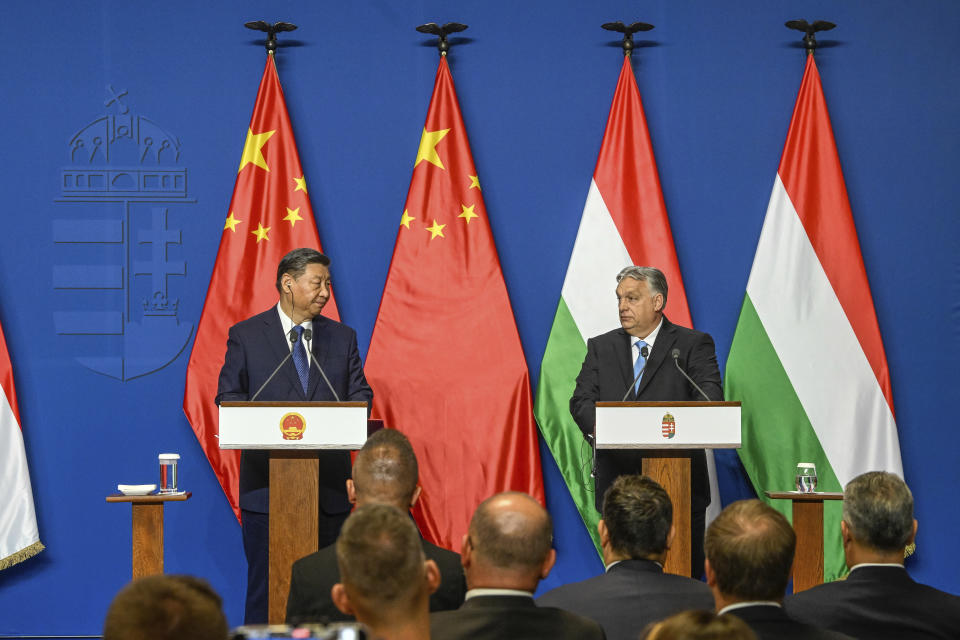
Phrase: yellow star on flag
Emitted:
{"points": [[301, 184], [252, 153], [428, 147], [475, 183], [406, 219], [468, 212], [436, 230], [293, 215], [231, 223], [261, 232]]}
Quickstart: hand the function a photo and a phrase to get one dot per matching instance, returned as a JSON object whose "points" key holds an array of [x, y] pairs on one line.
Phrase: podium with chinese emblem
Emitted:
{"points": [[667, 431], [293, 432]]}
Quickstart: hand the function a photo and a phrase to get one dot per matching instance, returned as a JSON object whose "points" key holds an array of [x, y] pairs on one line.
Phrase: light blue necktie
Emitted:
{"points": [[300, 359], [638, 365]]}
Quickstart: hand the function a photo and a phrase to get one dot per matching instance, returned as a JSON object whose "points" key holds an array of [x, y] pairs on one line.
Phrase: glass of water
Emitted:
{"points": [[806, 477]]}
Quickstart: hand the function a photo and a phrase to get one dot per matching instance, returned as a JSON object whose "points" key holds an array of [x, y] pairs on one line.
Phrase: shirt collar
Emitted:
{"points": [[752, 603], [877, 564], [474, 593], [287, 322]]}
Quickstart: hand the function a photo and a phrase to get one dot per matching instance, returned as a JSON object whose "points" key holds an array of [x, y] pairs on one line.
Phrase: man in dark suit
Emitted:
{"points": [[635, 533], [645, 342], [384, 472], [750, 548], [385, 578], [878, 599], [505, 554], [255, 347]]}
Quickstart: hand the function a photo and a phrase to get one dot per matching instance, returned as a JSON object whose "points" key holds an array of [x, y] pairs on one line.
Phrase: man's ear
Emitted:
{"points": [[913, 534], [433, 576], [709, 574], [845, 535], [416, 496], [466, 549], [548, 563], [603, 533], [351, 491], [671, 535], [338, 593]]}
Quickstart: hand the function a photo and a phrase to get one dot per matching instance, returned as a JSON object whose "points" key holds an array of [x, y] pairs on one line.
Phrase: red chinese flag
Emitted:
{"points": [[445, 361], [269, 215]]}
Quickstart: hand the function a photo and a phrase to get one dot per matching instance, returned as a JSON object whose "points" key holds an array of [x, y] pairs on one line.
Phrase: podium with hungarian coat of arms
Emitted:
{"points": [[668, 430], [293, 432]]}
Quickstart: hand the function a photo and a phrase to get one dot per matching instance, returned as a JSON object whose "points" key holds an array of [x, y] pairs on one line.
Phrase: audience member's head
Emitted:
{"points": [[637, 520], [166, 607], [385, 579], [509, 544], [877, 518], [699, 625], [749, 549], [385, 471]]}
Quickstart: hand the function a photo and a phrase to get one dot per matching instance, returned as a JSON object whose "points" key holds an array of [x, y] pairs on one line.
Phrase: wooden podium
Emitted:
{"points": [[293, 432], [808, 524], [669, 430]]}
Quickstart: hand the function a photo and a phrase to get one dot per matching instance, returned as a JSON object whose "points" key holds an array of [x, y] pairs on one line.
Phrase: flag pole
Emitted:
{"points": [[443, 45], [627, 31], [809, 40], [271, 30]]}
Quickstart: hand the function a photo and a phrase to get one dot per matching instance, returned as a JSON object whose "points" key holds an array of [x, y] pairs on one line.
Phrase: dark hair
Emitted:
{"points": [[637, 512], [380, 555], [166, 607], [511, 539], [699, 625], [386, 469], [295, 263], [750, 547], [878, 508]]}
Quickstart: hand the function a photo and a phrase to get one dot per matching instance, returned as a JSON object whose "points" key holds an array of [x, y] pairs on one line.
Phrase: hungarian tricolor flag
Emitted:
{"points": [[445, 361], [807, 359], [624, 222], [19, 538], [269, 215]]}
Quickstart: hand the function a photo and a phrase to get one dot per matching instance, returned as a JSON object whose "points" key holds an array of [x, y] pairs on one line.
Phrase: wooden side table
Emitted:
{"points": [[147, 529], [808, 524]]}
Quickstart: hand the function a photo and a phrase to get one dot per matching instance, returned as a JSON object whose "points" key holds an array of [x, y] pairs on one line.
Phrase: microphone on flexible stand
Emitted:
{"points": [[308, 335], [676, 354], [292, 335]]}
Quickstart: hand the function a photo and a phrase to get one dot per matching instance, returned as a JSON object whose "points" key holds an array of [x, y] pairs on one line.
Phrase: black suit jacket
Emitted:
{"points": [[254, 349], [631, 595], [771, 623], [879, 603], [607, 374], [510, 617], [314, 575]]}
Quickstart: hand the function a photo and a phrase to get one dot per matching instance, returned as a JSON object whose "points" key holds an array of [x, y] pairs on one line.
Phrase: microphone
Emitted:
{"points": [[676, 354], [643, 352], [292, 336], [308, 335]]}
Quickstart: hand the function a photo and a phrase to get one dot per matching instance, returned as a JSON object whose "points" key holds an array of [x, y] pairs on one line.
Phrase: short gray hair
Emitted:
{"points": [[651, 275], [878, 508]]}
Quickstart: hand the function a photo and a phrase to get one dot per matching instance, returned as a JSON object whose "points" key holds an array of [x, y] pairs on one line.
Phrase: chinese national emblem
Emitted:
{"points": [[669, 425], [292, 426]]}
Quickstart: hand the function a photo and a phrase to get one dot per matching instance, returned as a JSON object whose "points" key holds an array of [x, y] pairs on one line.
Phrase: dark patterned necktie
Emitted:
{"points": [[300, 359]]}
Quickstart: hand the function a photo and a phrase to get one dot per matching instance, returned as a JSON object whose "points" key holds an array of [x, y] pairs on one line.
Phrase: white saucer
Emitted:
{"points": [[136, 489]]}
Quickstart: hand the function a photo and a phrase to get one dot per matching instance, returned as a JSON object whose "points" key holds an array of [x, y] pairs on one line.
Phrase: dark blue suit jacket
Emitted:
{"points": [[254, 349]]}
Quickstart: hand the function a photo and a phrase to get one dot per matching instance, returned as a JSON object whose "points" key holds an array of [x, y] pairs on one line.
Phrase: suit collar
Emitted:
{"points": [[872, 572], [277, 339], [479, 601], [666, 338], [755, 611]]}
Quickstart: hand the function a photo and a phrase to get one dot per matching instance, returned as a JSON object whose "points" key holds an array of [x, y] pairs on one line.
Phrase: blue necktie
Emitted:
{"points": [[300, 359], [638, 365]]}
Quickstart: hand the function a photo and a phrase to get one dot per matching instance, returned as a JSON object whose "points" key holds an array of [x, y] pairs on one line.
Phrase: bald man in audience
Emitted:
{"points": [[505, 554], [749, 551], [384, 472], [166, 607], [385, 578], [635, 534], [879, 599]]}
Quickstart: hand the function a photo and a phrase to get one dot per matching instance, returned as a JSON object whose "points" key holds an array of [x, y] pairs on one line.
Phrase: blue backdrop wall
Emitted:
{"points": [[101, 397]]}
